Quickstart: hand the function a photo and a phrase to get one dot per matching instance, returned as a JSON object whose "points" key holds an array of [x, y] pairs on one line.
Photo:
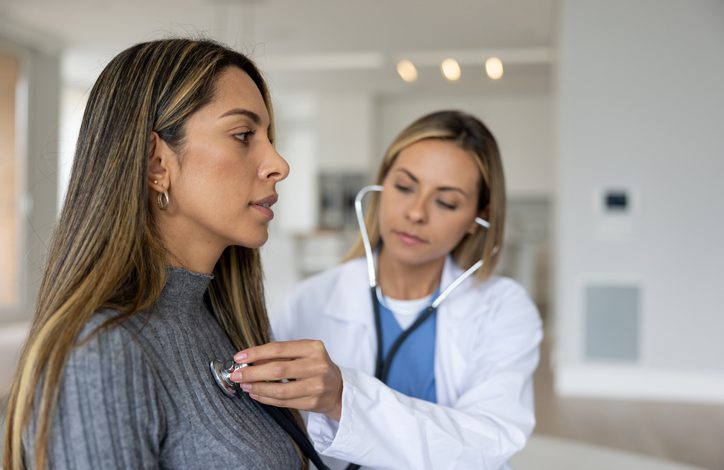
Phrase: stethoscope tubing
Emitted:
{"points": [[369, 255], [383, 365]]}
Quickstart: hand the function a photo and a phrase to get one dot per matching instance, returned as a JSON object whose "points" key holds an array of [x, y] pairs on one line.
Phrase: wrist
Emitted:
{"points": [[335, 412]]}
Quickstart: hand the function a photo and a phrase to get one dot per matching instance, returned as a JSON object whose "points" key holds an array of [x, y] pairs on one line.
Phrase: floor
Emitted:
{"points": [[545, 452], [687, 433]]}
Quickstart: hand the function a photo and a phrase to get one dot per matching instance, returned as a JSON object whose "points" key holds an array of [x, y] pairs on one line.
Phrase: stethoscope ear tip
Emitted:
{"points": [[482, 222]]}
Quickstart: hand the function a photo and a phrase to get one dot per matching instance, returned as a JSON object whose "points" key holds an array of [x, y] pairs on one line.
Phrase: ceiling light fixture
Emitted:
{"points": [[450, 69], [494, 68], [407, 70]]}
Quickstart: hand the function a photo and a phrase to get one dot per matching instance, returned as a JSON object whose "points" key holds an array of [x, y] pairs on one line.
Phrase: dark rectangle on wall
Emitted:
{"points": [[612, 318]]}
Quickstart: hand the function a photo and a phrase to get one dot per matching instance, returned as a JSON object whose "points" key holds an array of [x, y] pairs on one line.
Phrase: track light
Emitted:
{"points": [[407, 70], [450, 69], [494, 68]]}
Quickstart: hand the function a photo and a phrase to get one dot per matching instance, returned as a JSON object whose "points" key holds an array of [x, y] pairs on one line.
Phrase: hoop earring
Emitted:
{"points": [[163, 200]]}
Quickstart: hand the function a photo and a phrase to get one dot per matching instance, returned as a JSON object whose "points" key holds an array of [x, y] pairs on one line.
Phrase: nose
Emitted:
{"points": [[417, 212], [274, 167]]}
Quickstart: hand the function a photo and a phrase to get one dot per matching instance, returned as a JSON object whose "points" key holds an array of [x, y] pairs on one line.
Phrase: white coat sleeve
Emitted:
{"points": [[490, 421]]}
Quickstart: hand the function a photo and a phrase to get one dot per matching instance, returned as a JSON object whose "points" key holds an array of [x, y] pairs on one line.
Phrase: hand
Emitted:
{"points": [[314, 381]]}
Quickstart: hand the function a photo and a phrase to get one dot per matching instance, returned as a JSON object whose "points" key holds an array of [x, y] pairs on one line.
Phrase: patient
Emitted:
{"points": [[153, 272]]}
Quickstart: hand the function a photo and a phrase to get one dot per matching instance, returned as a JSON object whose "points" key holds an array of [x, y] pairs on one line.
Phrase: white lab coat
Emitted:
{"points": [[486, 351]]}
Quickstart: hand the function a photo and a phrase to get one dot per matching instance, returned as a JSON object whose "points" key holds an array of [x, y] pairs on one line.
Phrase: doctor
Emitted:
{"points": [[459, 391]]}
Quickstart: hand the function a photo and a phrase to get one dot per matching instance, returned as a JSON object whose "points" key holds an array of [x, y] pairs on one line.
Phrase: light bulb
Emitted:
{"points": [[407, 70], [494, 68], [450, 69]]}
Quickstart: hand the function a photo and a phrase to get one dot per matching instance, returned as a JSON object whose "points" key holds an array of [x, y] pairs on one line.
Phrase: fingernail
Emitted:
{"points": [[246, 387], [236, 376], [238, 357]]}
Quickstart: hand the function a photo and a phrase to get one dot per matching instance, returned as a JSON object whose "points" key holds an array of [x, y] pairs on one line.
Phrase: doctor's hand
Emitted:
{"points": [[292, 374]]}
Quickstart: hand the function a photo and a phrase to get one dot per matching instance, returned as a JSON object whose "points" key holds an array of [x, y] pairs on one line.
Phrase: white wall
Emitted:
{"points": [[318, 132], [345, 132], [641, 106]]}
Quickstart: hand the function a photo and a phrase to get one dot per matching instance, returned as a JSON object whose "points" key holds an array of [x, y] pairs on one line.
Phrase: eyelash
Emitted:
{"points": [[445, 205], [245, 136]]}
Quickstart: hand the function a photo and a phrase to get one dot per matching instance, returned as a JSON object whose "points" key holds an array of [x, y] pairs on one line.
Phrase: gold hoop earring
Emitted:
{"points": [[163, 200]]}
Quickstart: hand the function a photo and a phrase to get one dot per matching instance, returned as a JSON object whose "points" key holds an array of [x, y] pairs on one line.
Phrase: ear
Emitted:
{"points": [[483, 214], [159, 164]]}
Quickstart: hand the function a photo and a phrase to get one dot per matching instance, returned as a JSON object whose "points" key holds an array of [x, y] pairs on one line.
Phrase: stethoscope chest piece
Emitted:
{"points": [[221, 371]]}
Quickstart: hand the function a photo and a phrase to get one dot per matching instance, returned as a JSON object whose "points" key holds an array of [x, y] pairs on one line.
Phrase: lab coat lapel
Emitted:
{"points": [[349, 310], [458, 319]]}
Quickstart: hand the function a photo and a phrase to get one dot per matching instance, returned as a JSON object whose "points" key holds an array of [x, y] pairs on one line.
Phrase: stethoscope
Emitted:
{"points": [[383, 364], [221, 370]]}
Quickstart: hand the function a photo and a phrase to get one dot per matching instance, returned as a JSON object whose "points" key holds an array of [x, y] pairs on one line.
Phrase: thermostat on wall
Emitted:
{"points": [[616, 209], [616, 200]]}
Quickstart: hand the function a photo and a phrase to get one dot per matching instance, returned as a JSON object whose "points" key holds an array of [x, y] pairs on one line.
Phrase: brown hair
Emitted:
{"points": [[105, 252], [470, 134]]}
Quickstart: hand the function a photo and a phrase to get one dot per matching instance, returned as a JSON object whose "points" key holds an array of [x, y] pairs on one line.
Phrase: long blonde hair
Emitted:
{"points": [[471, 135], [105, 252]]}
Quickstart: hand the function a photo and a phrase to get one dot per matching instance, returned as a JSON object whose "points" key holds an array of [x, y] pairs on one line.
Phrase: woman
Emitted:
{"points": [[459, 390], [153, 272]]}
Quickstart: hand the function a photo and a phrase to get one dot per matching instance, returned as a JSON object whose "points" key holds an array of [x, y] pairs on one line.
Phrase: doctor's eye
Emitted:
{"points": [[244, 137], [447, 205], [403, 189]]}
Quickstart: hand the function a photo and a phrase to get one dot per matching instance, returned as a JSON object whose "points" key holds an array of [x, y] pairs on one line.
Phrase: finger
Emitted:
{"points": [[280, 350], [304, 403], [300, 389], [300, 404], [279, 370]]}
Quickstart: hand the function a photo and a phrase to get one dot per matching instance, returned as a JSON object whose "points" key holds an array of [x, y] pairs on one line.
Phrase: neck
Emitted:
{"points": [[196, 254], [184, 287], [403, 281]]}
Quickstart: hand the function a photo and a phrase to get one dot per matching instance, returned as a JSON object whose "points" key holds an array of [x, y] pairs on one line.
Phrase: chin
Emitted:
{"points": [[255, 242], [411, 257]]}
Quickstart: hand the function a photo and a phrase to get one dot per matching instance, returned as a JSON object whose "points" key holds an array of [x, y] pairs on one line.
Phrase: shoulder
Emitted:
{"points": [[328, 281], [500, 286], [109, 359], [97, 328], [506, 299], [108, 391], [101, 344]]}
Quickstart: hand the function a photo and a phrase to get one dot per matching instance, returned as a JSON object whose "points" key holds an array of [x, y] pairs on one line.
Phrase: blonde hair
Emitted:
{"points": [[105, 252], [470, 134]]}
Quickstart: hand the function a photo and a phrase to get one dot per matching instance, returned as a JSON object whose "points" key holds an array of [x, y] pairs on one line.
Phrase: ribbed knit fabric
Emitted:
{"points": [[141, 395]]}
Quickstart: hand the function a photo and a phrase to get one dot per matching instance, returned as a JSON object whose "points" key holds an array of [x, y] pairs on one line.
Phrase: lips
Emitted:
{"points": [[408, 238], [264, 205], [267, 201]]}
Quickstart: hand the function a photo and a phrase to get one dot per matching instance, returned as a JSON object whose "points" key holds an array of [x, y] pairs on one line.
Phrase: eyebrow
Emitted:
{"points": [[243, 112], [441, 188]]}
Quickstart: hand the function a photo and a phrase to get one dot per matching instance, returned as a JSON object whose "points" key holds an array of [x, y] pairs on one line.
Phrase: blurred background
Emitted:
{"points": [[610, 118]]}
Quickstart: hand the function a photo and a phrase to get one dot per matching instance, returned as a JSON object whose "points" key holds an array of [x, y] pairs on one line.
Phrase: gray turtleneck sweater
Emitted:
{"points": [[140, 395]]}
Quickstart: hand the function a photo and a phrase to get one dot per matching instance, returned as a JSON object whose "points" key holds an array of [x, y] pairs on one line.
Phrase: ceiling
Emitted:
{"points": [[323, 44]]}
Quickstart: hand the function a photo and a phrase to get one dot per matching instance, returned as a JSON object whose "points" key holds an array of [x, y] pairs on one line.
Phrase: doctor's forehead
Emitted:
{"points": [[438, 162]]}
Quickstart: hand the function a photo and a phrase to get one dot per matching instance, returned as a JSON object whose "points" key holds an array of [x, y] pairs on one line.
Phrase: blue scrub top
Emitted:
{"points": [[413, 369]]}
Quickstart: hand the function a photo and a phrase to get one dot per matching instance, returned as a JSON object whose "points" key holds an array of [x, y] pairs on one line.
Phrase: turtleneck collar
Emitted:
{"points": [[185, 286]]}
